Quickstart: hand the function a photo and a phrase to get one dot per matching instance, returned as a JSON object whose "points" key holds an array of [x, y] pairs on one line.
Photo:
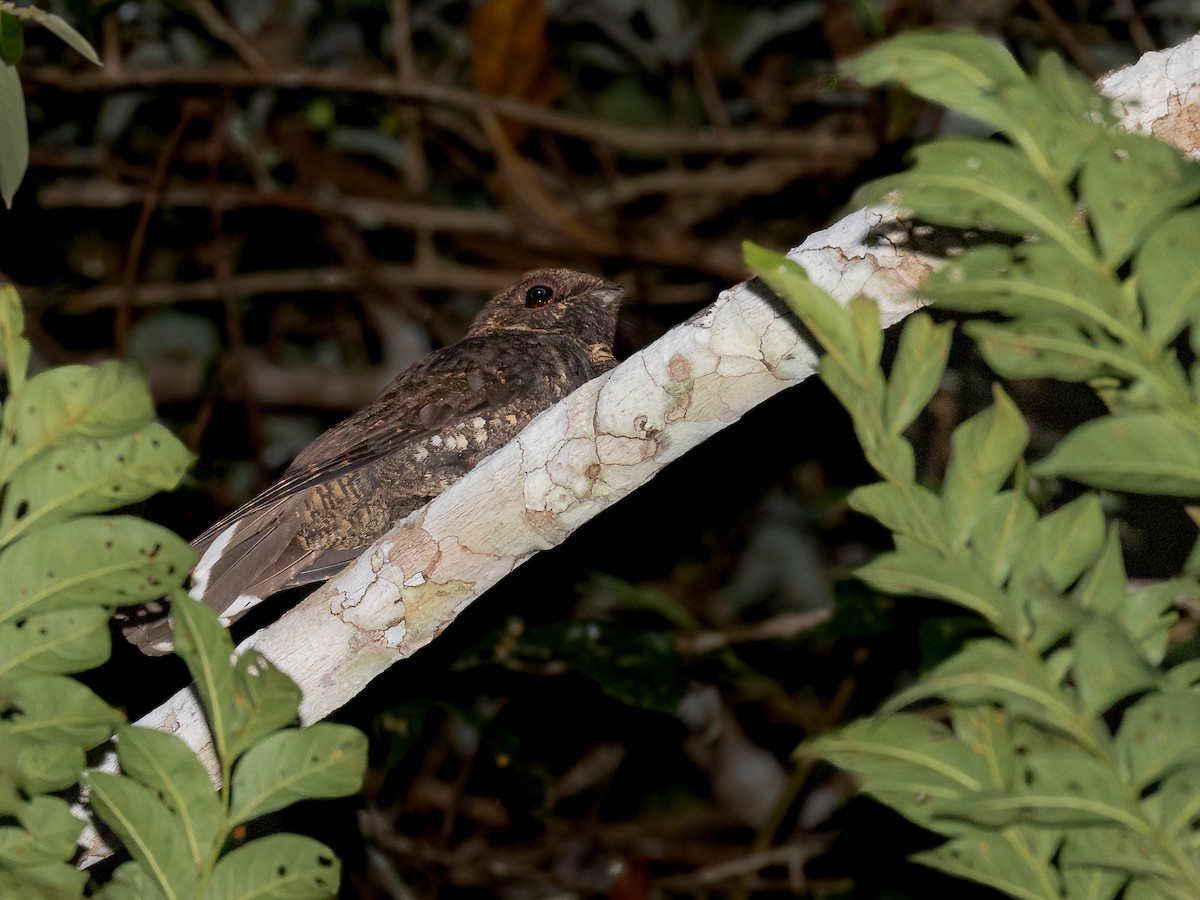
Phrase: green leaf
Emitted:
{"points": [[131, 881], [1108, 665], [1147, 453], [14, 347], [915, 569], [65, 33], [1113, 848], [91, 561], [1016, 861], [1166, 279], [861, 392], [993, 671], [989, 733], [1102, 588], [1130, 183], [12, 39], [972, 183], [264, 699], [983, 452], [1044, 349], [1057, 786], [1001, 534], [56, 642], [1032, 281], [1068, 90], [1175, 805], [864, 315], [915, 513], [245, 701], [165, 764], [820, 313], [1065, 543], [48, 834], [959, 70], [1048, 118], [1157, 736], [52, 881], [280, 866], [917, 370], [55, 708], [911, 763], [206, 648], [1092, 884], [1149, 613], [150, 831], [14, 137], [87, 476], [323, 760], [38, 766], [108, 400]]}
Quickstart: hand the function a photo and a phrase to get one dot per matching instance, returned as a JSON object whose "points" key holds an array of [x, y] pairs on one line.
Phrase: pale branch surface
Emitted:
{"points": [[604, 441]]}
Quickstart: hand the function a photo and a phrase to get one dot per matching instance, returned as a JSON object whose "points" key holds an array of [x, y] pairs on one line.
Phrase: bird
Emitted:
{"points": [[528, 347]]}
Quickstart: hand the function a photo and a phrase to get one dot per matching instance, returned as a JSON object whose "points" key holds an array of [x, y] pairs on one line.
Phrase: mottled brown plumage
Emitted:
{"points": [[528, 348]]}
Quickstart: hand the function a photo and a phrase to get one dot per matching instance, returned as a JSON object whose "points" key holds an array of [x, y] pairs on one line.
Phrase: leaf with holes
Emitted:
{"points": [[1016, 861], [93, 560], [278, 866], [92, 475], [323, 760], [1034, 282], [104, 401], [971, 183], [1130, 183], [56, 642]]}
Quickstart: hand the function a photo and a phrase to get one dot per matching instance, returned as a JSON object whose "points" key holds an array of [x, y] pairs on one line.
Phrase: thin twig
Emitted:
{"points": [[224, 31], [1138, 33], [332, 279], [1065, 37], [657, 141], [69, 193], [151, 198]]}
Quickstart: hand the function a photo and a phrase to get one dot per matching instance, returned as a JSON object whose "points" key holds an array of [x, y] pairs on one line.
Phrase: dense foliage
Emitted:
{"points": [[1062, 760]]}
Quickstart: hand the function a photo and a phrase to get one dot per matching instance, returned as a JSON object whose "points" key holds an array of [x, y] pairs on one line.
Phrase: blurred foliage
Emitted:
{"points": [[274, 206]]}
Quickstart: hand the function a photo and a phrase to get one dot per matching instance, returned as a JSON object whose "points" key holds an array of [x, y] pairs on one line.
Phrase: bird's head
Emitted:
{"points": [[558, 301]]}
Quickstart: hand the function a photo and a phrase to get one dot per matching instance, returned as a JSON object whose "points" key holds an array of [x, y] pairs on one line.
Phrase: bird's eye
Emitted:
{"points": [[538, 295]]}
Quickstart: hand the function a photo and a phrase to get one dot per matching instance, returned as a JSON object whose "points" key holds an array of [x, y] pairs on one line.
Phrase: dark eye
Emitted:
{"points": [[538, 295]]}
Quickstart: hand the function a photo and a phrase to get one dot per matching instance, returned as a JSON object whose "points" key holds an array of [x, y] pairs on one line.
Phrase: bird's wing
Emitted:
{"points": [[430, 402], [252, 553]]}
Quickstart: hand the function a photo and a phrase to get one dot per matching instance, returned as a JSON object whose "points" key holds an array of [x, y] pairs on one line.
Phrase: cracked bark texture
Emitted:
{"points": [[605, 440]]}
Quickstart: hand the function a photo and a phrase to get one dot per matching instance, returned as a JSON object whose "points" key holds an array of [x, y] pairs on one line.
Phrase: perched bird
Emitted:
{"points": [[529, 347]]}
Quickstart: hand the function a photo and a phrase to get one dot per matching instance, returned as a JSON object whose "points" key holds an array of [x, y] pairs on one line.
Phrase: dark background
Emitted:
{"points": [[275, 206]]}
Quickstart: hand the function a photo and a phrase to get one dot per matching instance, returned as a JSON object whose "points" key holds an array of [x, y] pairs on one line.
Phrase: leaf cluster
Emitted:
{"points": [[1061, 761], [77, 441], [164, 808]]}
